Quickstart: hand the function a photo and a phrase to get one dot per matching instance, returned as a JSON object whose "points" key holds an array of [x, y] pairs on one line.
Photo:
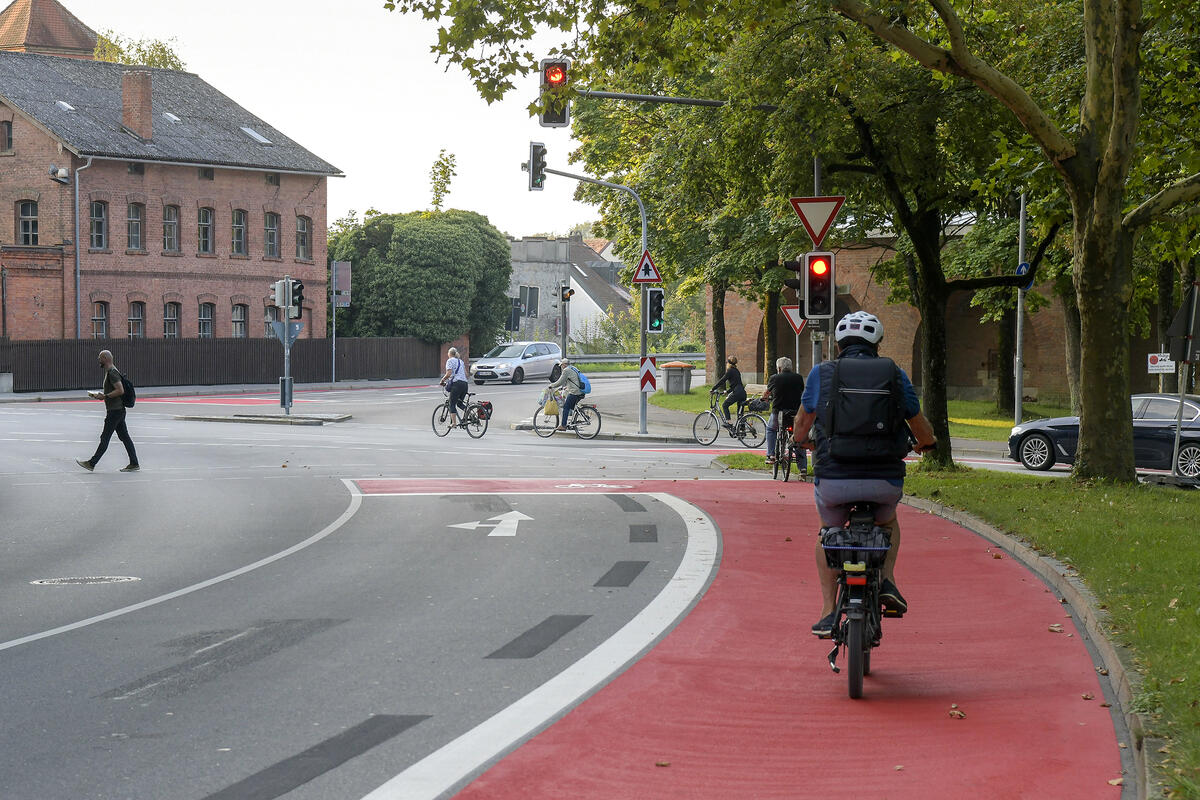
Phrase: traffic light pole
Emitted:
{"points": [[645, 247]]}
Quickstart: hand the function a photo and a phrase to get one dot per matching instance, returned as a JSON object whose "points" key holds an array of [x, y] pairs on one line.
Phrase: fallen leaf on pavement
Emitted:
{"points": [[1116, 782], [1056, 628], [1088, 696], [662, 763]]}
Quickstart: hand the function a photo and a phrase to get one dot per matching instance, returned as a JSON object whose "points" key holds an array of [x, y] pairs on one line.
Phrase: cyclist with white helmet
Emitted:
{"points": [[855, 409]]}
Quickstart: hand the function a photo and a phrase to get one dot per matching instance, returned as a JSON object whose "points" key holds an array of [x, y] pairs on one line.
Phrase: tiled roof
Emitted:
{"points": [[597, 244], [44, 26], [210, 124]]}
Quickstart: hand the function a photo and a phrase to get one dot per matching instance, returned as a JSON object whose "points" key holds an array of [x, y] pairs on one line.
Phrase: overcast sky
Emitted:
{"points": [[357, 85]]}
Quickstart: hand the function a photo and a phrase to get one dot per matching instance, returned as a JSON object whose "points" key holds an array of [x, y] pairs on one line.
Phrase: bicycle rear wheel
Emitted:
{"points": [[706, 427], [855, 651], [752, 430], [787, 455], [587, 422], [544, 424], [477, 421], [441, 419]]}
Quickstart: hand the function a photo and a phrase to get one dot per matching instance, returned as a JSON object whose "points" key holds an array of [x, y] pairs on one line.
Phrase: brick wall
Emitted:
{"points": [[42, 278]]}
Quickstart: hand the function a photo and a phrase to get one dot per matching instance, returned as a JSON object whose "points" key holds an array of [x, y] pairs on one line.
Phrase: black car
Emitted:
{"points": [[1043, 442]]}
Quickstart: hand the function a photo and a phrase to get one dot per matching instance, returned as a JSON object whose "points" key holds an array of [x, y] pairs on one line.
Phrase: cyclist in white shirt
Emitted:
{"points": [[455, 381]]}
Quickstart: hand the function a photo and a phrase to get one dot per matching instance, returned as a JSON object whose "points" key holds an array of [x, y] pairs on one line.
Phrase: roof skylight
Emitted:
{"points": [[255, 135], [65, 106], [169, 117]]}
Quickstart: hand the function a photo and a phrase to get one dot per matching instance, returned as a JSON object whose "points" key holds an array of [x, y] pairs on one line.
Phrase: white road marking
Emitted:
{"points": [[505, 524], [460, 759], [355, 502]]}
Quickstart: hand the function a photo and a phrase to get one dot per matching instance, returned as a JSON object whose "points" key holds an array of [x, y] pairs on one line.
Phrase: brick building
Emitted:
{"points": [[972, 363], [140, 202]]}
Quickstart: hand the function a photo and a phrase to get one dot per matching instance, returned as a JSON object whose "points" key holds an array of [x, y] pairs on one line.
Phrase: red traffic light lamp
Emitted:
{"points": [[556, 79], [819, 285]]}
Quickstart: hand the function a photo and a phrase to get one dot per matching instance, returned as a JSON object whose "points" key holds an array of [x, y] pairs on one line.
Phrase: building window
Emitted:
{"points": [[529, 300], [304, 238], [206, 320], [171, 320], [206, 173], [272, 179], [137, 168], [27, 214], [137, 320], [133, 226], [99, 214], [99, 320], [238, 243], [5, 136], [271, 235], [171, 229], [204, 231], [272, 316], [240, 312]]}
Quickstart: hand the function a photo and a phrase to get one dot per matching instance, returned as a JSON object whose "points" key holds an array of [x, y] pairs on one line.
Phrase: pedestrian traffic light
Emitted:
{"points": [[655, 300], [556, 74], [279, 290], [537, 166], [296, 306], [818, 285], [565, 293]]}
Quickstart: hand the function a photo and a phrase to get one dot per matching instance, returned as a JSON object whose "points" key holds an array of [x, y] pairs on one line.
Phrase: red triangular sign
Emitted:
{"points": [[817, 214], [794, 318], [646, 272]]}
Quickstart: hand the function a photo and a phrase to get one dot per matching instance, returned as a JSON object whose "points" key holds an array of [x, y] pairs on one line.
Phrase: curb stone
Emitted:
{"points": [[1150, 774]]}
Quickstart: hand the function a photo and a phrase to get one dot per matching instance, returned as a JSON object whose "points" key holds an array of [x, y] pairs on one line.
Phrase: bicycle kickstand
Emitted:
{"points": [[833, 658]]}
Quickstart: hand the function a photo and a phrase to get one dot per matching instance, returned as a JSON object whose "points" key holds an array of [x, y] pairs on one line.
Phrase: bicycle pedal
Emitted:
{"points": [[893, 613]]}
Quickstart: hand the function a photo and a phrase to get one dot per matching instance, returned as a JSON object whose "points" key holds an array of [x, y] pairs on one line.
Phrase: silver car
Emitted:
{"points": [[516, 361]]}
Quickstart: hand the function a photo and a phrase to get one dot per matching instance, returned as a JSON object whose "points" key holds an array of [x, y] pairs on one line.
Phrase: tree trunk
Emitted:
{"points": [[1071, 324], [1006, 337], [718, 326], [1166, 312], [770, 334], [1103, 286], [931, 302]]}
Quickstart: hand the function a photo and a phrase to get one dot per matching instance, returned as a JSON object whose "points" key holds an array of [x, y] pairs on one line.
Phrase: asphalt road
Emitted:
{"points": [[240, 619]]}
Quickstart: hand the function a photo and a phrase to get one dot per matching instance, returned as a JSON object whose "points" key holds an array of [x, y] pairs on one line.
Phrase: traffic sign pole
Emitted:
{"points": [[1018, 361]]}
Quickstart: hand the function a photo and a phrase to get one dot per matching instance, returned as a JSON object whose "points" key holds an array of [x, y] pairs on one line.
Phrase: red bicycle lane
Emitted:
{"points": [[738, 700]]}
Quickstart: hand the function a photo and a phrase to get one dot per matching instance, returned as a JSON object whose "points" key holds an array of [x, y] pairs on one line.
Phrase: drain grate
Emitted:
{"points": [[84, 580]]}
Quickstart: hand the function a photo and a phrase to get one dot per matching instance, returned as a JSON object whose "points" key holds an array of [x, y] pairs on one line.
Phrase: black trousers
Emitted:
{"points": [[458, 390], [114, 421]]}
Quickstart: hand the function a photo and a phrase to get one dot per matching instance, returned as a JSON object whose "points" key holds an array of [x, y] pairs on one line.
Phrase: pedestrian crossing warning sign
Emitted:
{"points": [[646, 272]]}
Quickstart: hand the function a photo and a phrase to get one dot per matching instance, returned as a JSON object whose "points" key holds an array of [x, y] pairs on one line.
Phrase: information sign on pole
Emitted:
{"points": [[1159, 363], [817, 214], [341, 283]]}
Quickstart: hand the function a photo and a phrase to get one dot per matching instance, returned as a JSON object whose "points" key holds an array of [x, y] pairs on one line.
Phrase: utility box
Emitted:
{"points": [[679, 377]]}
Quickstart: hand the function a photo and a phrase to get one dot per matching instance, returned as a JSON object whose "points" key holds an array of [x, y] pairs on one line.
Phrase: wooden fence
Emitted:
{"points": [[43, 366]]}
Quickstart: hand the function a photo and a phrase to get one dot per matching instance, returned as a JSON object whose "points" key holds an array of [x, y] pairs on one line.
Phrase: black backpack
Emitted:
{"points": [[866, 417], [130, 395]]}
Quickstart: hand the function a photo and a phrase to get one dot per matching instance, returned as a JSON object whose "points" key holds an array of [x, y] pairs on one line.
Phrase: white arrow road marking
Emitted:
{"points": [[506, 524]]}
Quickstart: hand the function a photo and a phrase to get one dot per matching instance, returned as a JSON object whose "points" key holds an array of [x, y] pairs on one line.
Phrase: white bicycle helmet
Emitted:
{"points": [[861, 325]]}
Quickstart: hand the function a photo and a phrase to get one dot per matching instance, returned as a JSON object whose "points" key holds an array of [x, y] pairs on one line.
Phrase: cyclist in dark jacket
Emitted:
{"points": [[737, 390], [870, 467], [785, 389]]}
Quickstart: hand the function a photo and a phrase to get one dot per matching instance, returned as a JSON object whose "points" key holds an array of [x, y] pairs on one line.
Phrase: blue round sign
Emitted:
{"points": [[1023, 269]]}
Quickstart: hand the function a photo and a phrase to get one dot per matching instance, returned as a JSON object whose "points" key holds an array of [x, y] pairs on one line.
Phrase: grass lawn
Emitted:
{"points": [[693, 402], [605, 366]]}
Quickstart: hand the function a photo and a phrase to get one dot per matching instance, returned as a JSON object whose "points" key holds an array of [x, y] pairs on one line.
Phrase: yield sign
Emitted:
{"points": [[646, 272], [505, 524], [817, 214], [794, 318]]}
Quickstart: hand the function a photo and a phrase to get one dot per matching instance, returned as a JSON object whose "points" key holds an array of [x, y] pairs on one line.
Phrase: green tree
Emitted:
{"points": [[115, 48], [432, 275], [440, 176]]}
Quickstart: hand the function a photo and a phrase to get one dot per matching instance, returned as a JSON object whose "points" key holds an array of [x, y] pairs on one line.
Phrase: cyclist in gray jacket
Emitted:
{"points": [[569, 382]]}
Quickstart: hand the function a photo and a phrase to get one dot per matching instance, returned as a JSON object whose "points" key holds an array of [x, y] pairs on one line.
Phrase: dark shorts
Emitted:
{"points": [[834, 496]]}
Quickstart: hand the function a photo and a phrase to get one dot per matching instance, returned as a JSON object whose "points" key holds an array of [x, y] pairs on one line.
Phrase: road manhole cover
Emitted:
{"points": [[84, 580]]}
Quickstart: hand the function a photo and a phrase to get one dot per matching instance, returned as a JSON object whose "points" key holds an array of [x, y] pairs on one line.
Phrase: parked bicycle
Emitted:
{"points": [[750, 428], [584, 418], [857, 551], [474, 420]]}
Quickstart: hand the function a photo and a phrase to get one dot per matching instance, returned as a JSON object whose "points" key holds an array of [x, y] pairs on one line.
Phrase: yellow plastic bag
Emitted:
{"points": [[551, 409]]}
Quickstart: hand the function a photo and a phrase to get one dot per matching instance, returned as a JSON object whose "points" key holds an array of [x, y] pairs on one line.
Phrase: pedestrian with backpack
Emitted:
{"points": [[571, 381], [116, 398]]}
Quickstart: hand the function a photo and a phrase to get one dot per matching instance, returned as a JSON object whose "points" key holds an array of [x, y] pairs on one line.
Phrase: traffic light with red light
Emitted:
{"points": [[537, 166], [818, 285], [556, 75]]}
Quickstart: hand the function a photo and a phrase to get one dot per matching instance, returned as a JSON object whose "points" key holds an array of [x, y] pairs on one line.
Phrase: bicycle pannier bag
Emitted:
{"points": [[485, 408]]}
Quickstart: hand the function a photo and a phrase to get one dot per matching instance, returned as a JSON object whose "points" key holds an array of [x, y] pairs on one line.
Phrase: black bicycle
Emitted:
{"points": [[474, 420], [857, 551], [787, 452], [750, 428], [584, 419]]}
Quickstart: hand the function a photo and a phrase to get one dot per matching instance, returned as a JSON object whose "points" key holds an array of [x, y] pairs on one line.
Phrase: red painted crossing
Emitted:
{"points": [[738, 700]]}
